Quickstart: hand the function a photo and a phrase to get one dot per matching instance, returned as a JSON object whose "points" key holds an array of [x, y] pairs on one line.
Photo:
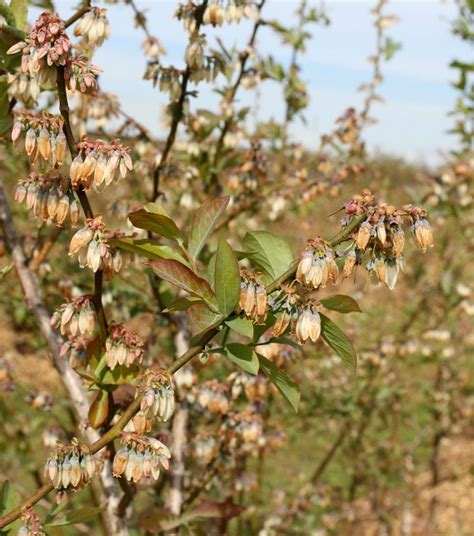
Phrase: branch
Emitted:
{"points": [[177, 115], [230, 98], [79, 13], [81, 194], [47, 246], [174, 498], [140, 18], [187, 356]]}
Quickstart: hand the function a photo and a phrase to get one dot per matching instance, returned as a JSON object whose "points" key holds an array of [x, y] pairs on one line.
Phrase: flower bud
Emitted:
{"points": [[81, 239], [423, 235], [349, 263], [30, 142], [398, 241], [381, 232], [363, 236]]}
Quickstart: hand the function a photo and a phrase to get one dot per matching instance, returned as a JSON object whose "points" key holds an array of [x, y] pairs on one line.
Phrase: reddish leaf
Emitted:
{"points": [[182, 277]]}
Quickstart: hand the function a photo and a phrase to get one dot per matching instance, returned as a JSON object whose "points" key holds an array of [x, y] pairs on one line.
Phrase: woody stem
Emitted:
{"points": [[81, 194]]}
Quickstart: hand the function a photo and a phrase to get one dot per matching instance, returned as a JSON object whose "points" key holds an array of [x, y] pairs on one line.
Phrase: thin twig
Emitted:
{"points": [[47, 246], [213, 178], [177, 114], [81, 194], [140, 18], [79, 13]]}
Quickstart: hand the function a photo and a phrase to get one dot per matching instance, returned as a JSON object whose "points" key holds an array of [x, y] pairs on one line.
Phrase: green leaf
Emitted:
{"points": [[204, 222], [242, 326], [260, 329], [120, 375], [55, 510], [9, 499], [81, 515], [4, 101], [288, 388], [5, 123], [202, 319], [149, 249], [268, 253], [99, 409], [182, 277], [7, 14], [284, 340], [243, 356], [339, 342], [20, 11], [227, 285], [341, 303], [159, 224], [182, 304]]}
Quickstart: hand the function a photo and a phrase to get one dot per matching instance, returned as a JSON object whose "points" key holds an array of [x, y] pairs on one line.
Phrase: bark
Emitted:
{"points": [[174, 499]]}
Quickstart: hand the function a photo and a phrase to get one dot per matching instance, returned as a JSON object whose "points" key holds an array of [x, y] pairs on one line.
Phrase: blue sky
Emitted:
{"points": [[413, 120]]}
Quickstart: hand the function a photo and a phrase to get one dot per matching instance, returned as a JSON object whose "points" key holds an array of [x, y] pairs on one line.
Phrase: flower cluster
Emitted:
{"points": [[168, 79], [140, 457], [254, 168], [246, 426], [98, 163], [253, 297], [382, 236], [157, 400], [49, 197], [46, 47], [203, 67], [211, 395], [255, 387], [81, 74], [302, 317], [76, 350], [122, 347], [216, 13], [70, 466], [43, 136], [31, 524], [204, 448], [76, 318], [23, 88], [99, 107], [93, 26], [317, 265], [308, 325], [153, 48], [91, 248]]}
